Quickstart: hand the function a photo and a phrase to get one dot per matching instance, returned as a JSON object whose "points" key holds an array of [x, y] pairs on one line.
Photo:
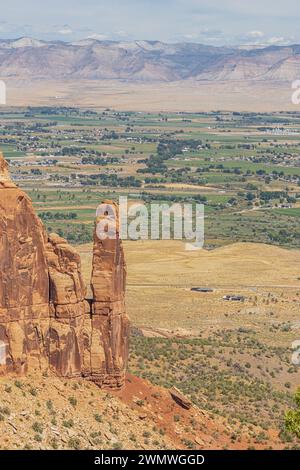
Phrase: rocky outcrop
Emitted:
{"points": [[67, 307], [180, 398], [4, 173], [109, 322], [24, 285], [45, 319]]}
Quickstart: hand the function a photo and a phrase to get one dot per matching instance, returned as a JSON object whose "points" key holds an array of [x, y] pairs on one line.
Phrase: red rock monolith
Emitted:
{"points": [[109, 322]]}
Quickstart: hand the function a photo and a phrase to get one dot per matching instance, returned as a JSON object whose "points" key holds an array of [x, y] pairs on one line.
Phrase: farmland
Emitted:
{"points": [[244, 167]]}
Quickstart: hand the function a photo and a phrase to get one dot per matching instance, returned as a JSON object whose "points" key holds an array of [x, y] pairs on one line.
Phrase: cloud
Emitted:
{"points": [[121, 34], [205, 34], [191, 36], [61, 29], [256, 34], [98, 37], [259, 38], [7, 29], [65, 30], [280, 40]]}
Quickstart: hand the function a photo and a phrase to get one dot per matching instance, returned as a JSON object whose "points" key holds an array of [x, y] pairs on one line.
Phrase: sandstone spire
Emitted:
{"points": [[3, 168], [5, 180], [110, 324]]}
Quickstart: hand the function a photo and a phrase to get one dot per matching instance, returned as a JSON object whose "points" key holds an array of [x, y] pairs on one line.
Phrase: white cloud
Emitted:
{"points": [[204, 35], [259, 38], [191, 36], [255, 34], [278, 40], [98, 37], [121, 34], [65, 30]]}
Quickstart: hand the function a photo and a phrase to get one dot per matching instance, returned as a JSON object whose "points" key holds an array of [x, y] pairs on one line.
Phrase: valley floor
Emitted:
{"points": [[190, 95]]}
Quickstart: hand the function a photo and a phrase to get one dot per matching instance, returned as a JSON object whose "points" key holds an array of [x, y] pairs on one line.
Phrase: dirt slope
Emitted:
{"points": [[49, 413]]}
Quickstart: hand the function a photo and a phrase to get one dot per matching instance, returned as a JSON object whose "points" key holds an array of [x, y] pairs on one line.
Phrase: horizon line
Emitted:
{"points": [[130, 41]]}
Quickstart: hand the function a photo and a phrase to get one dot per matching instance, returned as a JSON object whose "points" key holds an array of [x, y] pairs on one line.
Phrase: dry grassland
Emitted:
{"points": [[161, 274], [189, 95]]}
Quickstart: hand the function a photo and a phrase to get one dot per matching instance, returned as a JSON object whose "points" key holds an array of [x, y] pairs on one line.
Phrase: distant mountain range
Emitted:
{"points": [[145, 61]]}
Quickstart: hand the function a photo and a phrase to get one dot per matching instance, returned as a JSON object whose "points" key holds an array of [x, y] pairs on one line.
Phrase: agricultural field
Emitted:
{"points": [[245, 168]]}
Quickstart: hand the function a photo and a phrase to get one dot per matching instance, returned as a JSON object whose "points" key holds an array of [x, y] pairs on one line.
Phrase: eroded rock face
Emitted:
{"points": [[45, 320], [24, 285], [67, 307], [109, 322], [4, 173]]}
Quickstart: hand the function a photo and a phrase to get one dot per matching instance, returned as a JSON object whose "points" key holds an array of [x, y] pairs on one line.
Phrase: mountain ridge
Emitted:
{"points": [[146, 61]]}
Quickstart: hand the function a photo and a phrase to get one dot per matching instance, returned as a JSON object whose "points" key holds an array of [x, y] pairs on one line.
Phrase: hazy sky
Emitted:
{"points": [[214, 22]]}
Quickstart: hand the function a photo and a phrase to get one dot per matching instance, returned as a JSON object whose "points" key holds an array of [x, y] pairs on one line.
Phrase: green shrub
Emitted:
{"points": [[292, 417], [37, 427]]}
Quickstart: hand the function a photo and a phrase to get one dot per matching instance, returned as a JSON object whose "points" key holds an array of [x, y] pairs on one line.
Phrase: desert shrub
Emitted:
{"points": [[74, 443], [98, 418], [37, 427], [73, 401], [117, 446], [54, 444], [292, 417], [68, 424], [4, 410]]}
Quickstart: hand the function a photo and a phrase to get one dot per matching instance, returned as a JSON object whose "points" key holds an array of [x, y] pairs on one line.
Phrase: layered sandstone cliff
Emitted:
{"points": [[24, 284], [45, 319]]}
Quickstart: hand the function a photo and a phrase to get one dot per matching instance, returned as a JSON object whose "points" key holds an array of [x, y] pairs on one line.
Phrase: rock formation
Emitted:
{"points": [[4, 173], [45, 319], [24, 284], [67, 307], [109, 322]]}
